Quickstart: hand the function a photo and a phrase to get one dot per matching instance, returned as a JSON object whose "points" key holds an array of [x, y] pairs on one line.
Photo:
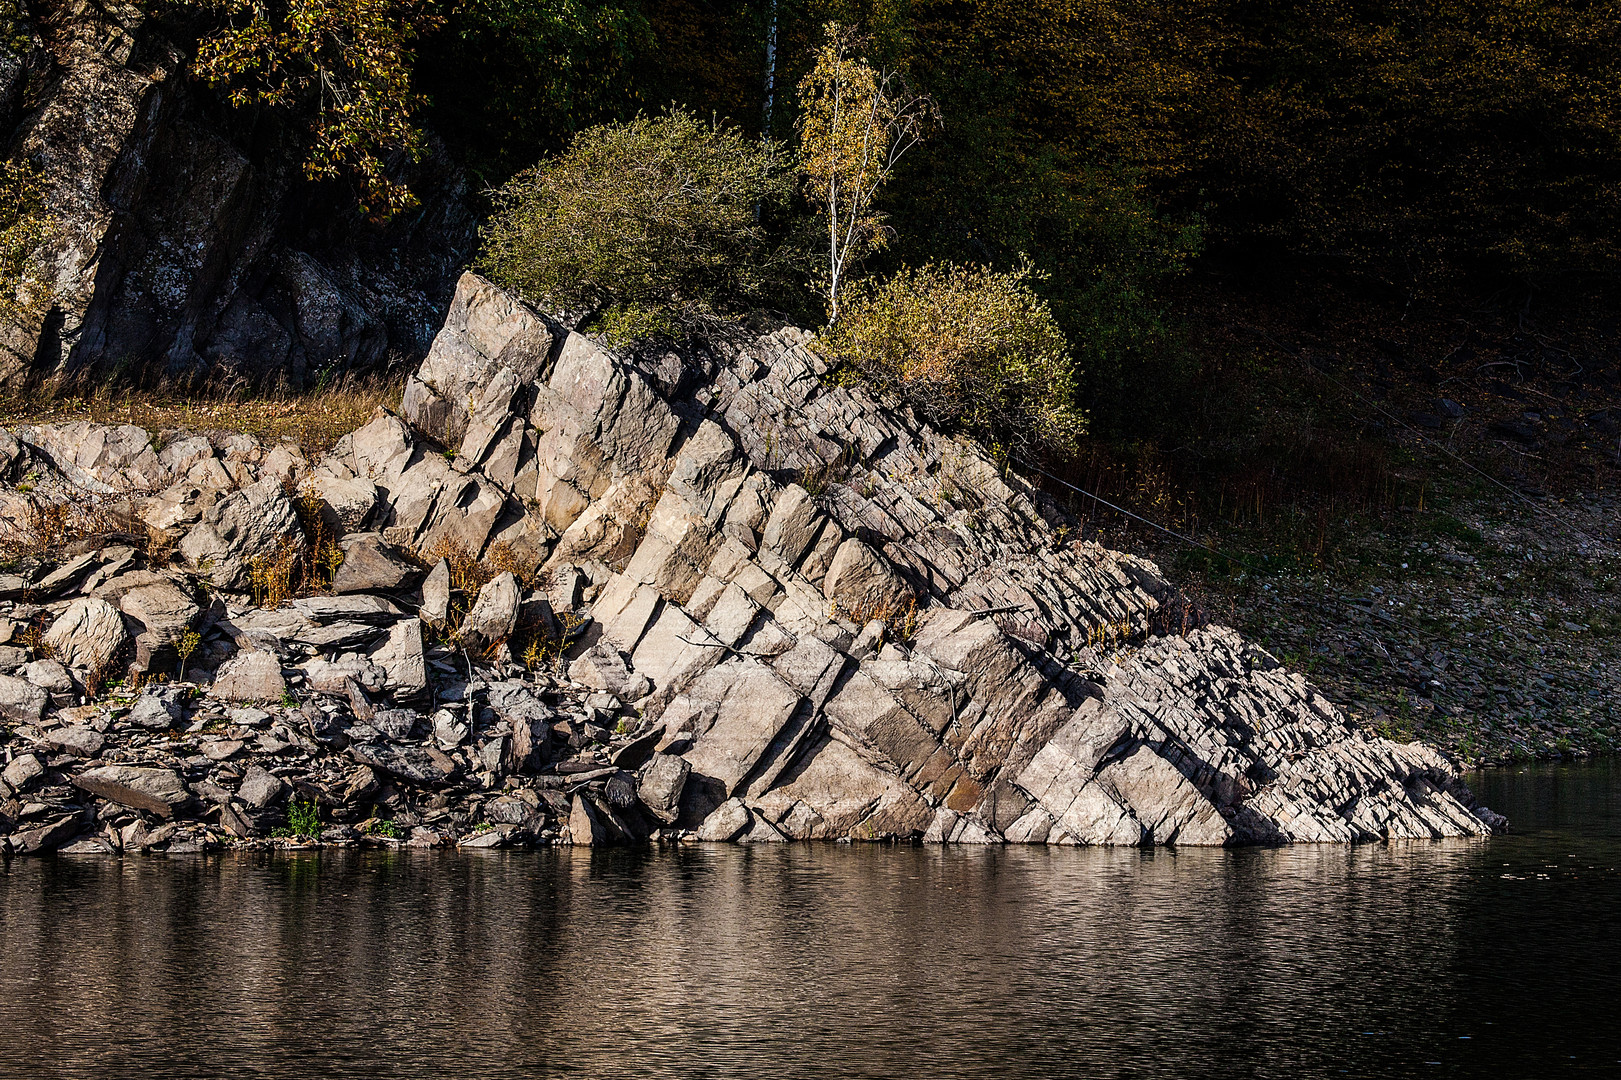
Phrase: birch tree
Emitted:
{"points": [[856, 123]]}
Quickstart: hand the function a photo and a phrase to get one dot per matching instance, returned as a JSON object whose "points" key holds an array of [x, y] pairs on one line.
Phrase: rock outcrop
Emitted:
{"points": [[720, 599], [188, 246]]}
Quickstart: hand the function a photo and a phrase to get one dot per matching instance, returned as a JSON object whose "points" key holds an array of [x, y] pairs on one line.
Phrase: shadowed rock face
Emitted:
{"points": [[190, 247], [786, 612]]}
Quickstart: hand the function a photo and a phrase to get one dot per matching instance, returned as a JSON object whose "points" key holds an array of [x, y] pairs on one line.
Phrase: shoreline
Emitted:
{"points": [[712, 594]]}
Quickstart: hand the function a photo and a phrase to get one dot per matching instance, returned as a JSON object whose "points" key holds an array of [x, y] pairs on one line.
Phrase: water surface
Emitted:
{"points": [[1457, 958]]}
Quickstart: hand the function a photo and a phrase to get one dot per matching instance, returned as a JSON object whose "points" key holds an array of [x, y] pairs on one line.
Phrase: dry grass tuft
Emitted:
{"points": [[278, 577], [325, 556], [503, 559], [532, 644], [467, 574], [538, 647]]}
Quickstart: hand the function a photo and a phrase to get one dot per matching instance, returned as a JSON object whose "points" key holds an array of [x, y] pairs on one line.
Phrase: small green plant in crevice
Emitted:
{"points": [[303, 820], [1401, 725], [624, 325], [816, 478], [383, 828], [1306, 662], [900, 620]]}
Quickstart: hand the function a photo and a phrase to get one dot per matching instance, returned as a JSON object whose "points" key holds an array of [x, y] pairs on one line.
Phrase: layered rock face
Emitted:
{"points": [[767, 608], [189, 247], [857, 628]]}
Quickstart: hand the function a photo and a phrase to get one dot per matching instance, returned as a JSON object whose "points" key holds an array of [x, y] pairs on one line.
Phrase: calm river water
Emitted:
{"points": [[1499, 958]]}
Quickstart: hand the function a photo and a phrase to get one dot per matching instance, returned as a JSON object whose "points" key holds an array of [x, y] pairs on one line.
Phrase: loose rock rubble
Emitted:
{"points": [[726, 600]]}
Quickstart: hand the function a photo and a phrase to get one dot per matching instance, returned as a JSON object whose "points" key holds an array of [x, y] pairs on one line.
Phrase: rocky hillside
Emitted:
{"points": [[187, 245], [572, 596]]}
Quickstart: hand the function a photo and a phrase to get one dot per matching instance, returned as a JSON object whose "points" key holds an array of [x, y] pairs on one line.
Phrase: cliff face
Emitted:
{"points": [[190, 247], [767, 608]]}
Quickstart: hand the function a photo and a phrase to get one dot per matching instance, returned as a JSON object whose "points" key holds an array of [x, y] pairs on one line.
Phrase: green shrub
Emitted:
{"points": [[344, 66], [625, 324], [660, 214], [24, 226], [969, 348], [981, 191], [381, 827]]}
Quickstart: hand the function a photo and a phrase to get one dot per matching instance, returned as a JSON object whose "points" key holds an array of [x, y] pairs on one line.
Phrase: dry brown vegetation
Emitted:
{"points": [[531, 643], [900, 620], [315, 421], [50, 527]]}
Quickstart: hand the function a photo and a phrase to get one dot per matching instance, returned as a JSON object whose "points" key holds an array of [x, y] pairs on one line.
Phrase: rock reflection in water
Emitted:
{"points": [[804, 961]]}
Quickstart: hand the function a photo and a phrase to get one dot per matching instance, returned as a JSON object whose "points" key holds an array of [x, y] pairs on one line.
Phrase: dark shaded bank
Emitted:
{"points": [[1464, 958]]}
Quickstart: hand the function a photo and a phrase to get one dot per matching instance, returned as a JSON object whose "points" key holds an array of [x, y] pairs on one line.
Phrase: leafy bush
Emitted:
{"points": [[303, 820], [14, 34], [982, 192], [656, 214], [344, 64], [967, 347]]}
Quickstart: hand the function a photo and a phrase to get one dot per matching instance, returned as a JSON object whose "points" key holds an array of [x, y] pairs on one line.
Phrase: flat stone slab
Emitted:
{"points": [[157, 791]]}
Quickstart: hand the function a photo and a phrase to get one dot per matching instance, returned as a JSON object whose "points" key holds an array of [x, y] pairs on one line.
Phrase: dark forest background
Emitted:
{"points": [[1320, 163]]}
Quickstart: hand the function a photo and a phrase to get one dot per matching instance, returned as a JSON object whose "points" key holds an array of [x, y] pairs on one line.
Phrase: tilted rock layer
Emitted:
{"points": [[784, 611], [855, 625]]}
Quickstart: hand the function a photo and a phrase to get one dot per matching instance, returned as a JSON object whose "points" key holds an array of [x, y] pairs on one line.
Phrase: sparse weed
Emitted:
{"points": [[303, 820], [900, 620], [274, 578], [503, 558], [383, 828], [185, 647]]}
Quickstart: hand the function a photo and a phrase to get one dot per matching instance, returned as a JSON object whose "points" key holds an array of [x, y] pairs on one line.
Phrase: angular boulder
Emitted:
{"points": [[370, 565], [435, 610], [660, 785], [164, 610], [158, 708], [250, 676], [861, 582], [88, 635], [494, 614], [80, 740], [21, 701], [257, 522]]}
